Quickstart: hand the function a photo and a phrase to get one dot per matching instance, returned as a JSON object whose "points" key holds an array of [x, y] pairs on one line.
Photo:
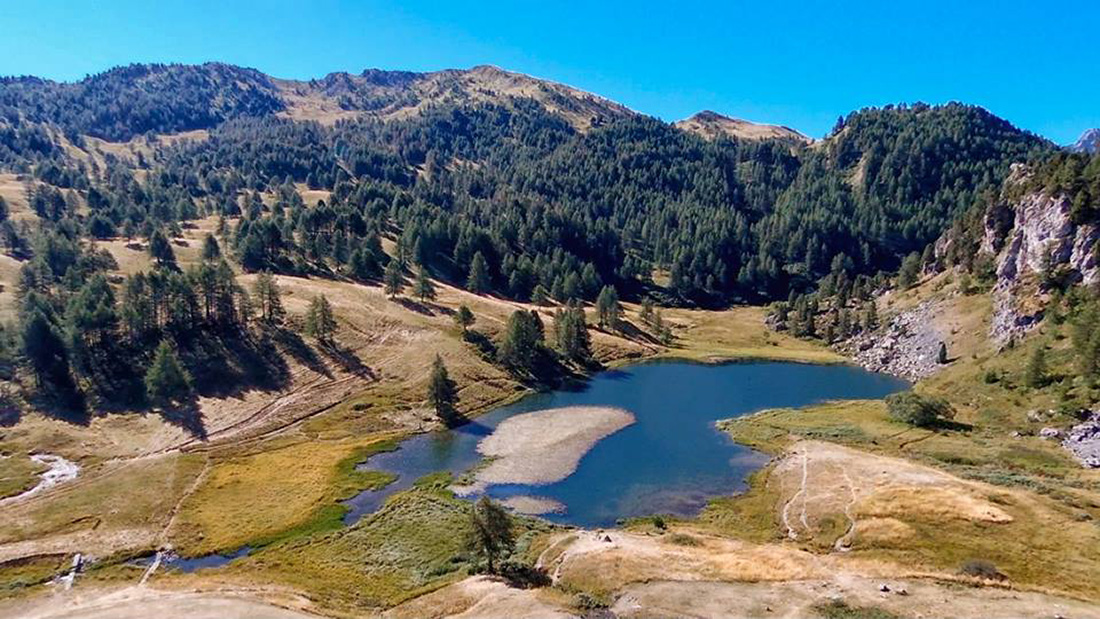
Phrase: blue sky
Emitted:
{"points": [[796, 63]]}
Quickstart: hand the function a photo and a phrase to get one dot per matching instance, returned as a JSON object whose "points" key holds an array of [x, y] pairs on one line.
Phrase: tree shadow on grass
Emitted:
{"points": [[413, 305], [293, 344], [188, 416], [346, 359]]}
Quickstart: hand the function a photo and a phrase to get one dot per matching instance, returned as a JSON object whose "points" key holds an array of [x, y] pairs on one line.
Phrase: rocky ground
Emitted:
{"points": [[907, 346], [1083, 441]]}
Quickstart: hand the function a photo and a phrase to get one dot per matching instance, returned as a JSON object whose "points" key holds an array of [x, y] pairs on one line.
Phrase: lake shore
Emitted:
{"points": [[544, 446]]}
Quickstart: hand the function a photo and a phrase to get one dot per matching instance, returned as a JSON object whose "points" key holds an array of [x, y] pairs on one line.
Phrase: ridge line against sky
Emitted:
{"points": [[801, 65]]}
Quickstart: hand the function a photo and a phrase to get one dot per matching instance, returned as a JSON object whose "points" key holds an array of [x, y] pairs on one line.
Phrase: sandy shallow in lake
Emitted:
{"points": [[544, 446]]}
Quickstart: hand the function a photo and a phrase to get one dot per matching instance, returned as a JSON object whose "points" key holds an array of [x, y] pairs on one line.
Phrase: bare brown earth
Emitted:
{"points": [[143, 602]]}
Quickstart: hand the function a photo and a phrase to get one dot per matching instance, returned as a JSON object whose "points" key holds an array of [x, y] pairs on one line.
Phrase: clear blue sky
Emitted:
{"points": [[796, 63]]}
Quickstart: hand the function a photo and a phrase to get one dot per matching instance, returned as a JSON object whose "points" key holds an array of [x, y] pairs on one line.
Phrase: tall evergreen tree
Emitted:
{"points": [[167, 381], [490, 534], [394, 279], [478, 281], [608, 308], [464, 318], [320, 321], [161, 250], [441, 393], [268, 299], [425, 289]]}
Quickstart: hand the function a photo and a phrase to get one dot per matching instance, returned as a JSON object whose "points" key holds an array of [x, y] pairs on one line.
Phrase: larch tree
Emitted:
{"points": [[424, 289], [441, 393], [394, 279], [167, 381], [490, 535]]}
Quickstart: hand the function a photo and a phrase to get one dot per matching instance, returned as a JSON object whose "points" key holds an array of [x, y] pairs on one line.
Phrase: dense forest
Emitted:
{"points": [[502, 196]]}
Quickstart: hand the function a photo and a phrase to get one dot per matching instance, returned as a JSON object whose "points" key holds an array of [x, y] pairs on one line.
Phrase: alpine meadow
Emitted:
{"points": [[472, 343]]}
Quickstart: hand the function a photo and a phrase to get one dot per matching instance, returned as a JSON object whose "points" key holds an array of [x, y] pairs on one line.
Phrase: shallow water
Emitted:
{"points": [[671, 461]]}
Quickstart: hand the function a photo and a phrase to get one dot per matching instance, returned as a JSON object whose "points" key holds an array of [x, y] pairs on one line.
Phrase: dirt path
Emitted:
{"points": [[144, 602]]}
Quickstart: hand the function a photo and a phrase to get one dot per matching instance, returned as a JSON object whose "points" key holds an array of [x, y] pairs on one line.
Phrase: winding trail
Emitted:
{"points": [[844, 542], [791, 533]]}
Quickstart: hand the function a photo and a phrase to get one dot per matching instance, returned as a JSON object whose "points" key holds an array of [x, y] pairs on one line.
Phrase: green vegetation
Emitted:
{"points": [[441, 393], [166, 381], [839, 609], [320, 321], [20, 573], [412, 545], [490, 532], [918, 410], [280, 493]]}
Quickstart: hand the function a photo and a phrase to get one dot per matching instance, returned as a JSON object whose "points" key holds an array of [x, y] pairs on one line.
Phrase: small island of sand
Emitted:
{"points": [[544, 446]]}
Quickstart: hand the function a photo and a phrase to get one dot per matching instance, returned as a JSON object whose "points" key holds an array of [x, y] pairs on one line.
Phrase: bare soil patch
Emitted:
{"points": [[544, 446]]}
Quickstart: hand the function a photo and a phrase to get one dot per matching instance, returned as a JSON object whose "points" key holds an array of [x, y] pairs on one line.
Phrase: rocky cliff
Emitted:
{"points": [[1032, 241], [1089, 142]]}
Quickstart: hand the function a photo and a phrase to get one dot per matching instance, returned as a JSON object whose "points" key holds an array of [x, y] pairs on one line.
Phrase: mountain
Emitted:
{"points": [[712, 125], [396, 94], [1089, 142], [127, 101], [554, 187]]}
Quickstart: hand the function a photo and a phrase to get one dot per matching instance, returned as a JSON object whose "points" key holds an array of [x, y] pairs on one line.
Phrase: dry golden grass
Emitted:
{"points": [[257, 496], [115, 506], [737, 333]]}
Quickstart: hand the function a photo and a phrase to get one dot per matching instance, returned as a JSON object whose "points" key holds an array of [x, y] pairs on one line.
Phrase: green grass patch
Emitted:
{"points": [[18, 473], [750, 516], [839, 609], [29, 571]]}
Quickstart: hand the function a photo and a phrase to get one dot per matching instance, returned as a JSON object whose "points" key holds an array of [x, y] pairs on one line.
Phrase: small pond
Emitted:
{"points": [[672, 460]]}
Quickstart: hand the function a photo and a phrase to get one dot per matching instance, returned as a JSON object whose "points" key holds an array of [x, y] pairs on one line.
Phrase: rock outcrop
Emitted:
{"points": [[1083, 440], [1089, 142], [1031, 239], [907, 346]]}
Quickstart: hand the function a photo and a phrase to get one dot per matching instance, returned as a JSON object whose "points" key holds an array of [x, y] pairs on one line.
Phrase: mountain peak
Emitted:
{"points": [[1089, 142], [711, 125]]}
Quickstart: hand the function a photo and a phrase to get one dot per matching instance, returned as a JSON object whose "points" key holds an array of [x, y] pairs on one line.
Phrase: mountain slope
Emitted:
{"points": [[1089, 142], [712, 125]]}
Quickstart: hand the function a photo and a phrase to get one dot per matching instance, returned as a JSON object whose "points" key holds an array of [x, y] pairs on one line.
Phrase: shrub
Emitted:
{"points": [[980, 568], [918, 410]]}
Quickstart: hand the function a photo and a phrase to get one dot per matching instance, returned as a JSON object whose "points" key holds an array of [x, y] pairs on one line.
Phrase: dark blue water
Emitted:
{"points": [[670, 461]]}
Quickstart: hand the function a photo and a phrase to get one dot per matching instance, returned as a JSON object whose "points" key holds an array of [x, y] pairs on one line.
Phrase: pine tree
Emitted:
{"points": [[478, 281], [210, 249], [425, 289], [268, 299], [571, 335], [320, 322], [394, 280], [464, 318], [166, 380], [363, 264], [490, 535], [540, 296], [910, 271], [608, 308], [441, 393], [522, 342], [161, 250]]}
